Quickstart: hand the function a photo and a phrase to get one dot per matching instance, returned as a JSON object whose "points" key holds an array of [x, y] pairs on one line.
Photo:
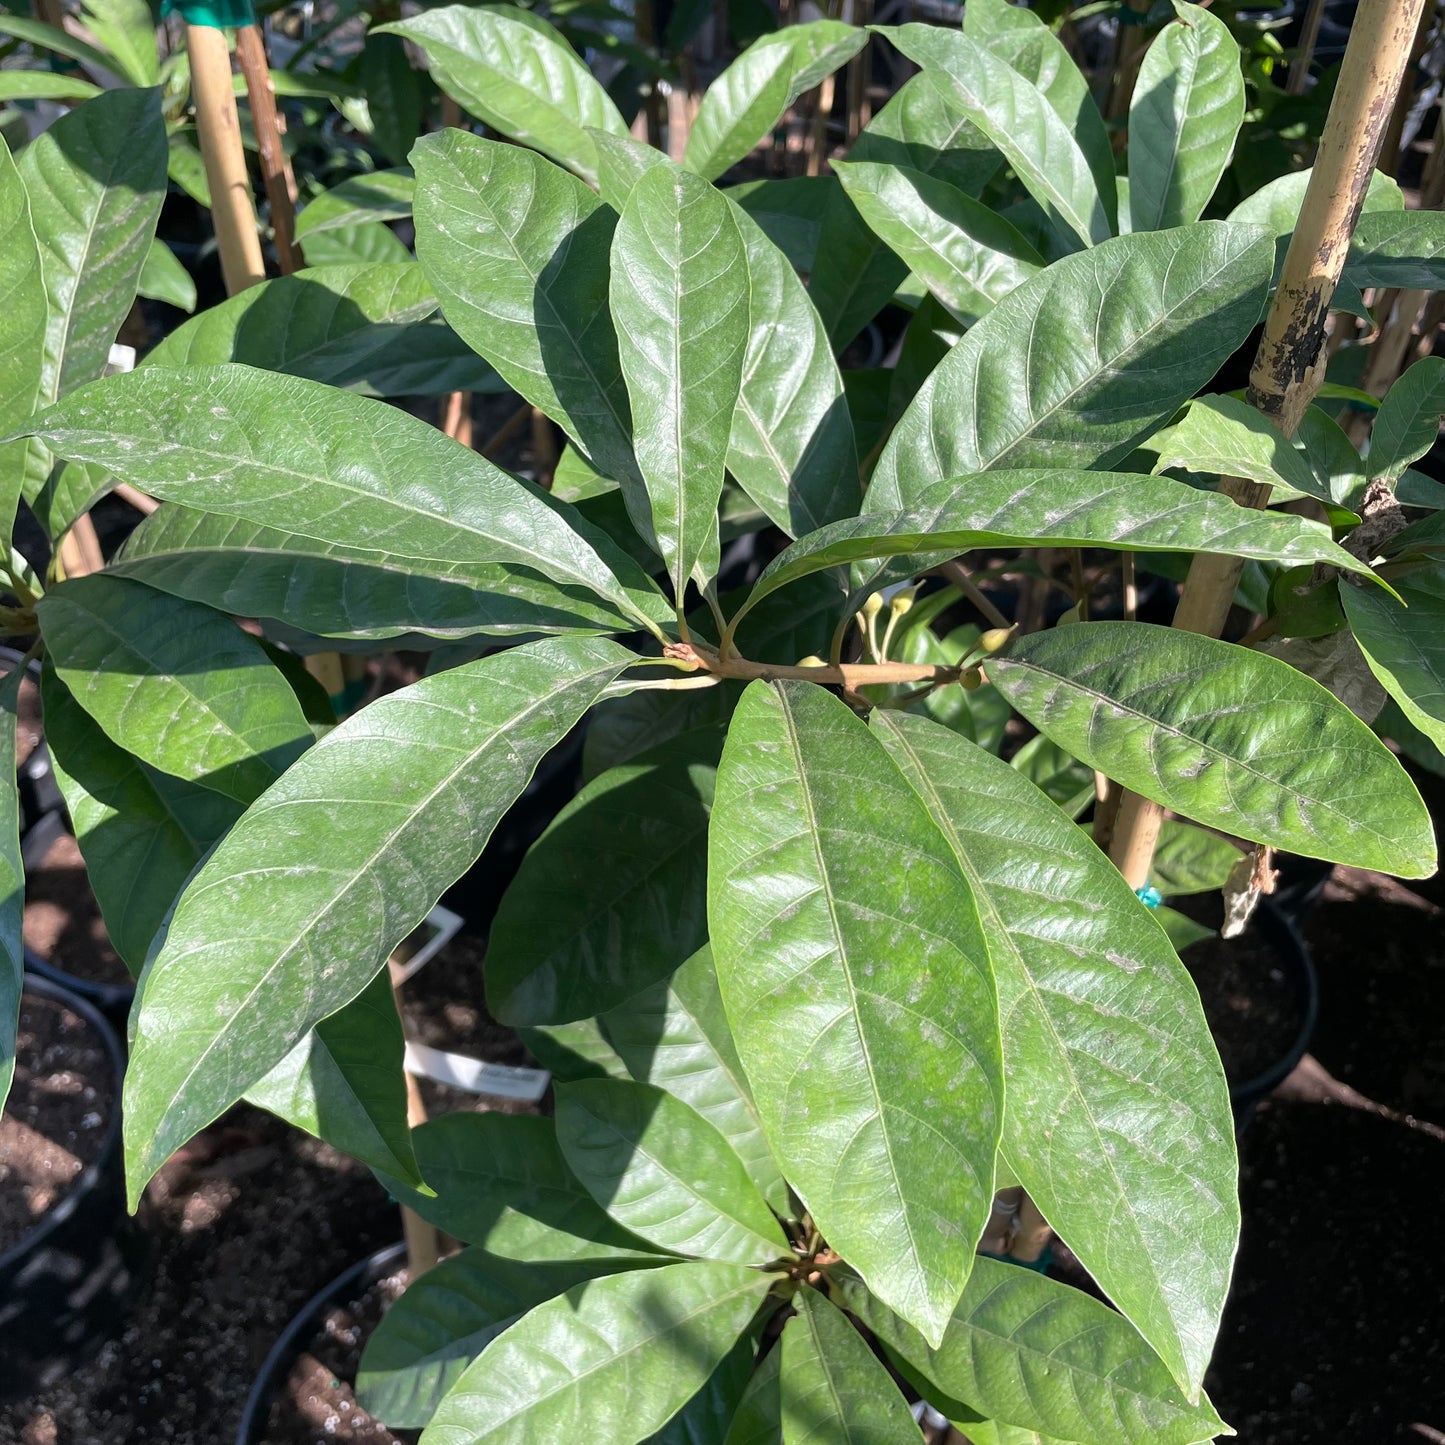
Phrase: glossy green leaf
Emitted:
{"points": [[1398, 249], [163, 278], [1224, 436], [1058, 775], [397, 96], [680, 302], [22, 328], [1408, 422], [187, 168], [676, 1035], [662, 1171], [1034, 1354], [1186, 111], [1277, 204], [518, 251], [44, 85], [967, 255], [834, 1390], [1180, 929], [741, 107], [179, 686], [1117, 1118], [363, 243], [1403, 644], [1079, 363], [1117, 510], [126, 29], [500, 1183], [790, 212], [1235, 739], [609, 1361], [12, 882], [759, 1416], [857, 985], [613, 894], [300, 457], [444, 1320], [342, 857], [375, 196], [62, 42], [1338, 469], [140, 831], [578, 1050], [706, 1417], [1017, 117], [511, 69], [1190, 860], [343, 1082]]}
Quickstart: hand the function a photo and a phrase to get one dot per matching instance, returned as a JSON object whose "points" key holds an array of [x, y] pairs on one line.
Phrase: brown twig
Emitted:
{"points": [[275, 167], [956, 573], [694, 657]]}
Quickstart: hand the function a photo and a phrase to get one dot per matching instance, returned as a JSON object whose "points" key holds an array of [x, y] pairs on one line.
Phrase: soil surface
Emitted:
{"points": [[63, 925], [54, 1122]]}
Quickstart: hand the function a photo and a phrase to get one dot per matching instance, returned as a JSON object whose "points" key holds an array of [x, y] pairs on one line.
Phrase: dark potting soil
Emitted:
{"points": [[61, 1098], [63, 925]]}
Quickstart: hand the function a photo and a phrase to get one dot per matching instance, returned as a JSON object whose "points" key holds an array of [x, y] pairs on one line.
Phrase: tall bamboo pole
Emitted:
{"points": [[1289, 366]]}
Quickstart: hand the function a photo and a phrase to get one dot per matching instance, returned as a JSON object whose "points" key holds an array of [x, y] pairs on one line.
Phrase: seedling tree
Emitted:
{"points": [[816, 970]]}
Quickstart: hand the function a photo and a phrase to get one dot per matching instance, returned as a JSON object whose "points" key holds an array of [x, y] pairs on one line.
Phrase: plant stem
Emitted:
{"points": [[1289, 366], [958, 575], [423, 1247], [275, 167], [852, 675]]}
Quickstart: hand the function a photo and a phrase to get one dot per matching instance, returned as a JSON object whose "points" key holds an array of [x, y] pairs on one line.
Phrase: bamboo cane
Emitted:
{"points": [[1289, 366], [275, 167]]}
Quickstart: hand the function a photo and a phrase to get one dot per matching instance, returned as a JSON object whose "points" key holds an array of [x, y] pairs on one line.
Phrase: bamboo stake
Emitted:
{"points": [[1289, 366], [275, 167]]}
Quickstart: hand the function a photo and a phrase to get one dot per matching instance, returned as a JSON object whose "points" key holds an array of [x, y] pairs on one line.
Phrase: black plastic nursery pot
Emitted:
{"points": [[68, 1285], [271, 1377]]}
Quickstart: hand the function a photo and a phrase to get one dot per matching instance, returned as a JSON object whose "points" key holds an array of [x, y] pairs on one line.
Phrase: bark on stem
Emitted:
{"points": [[275, 167]]}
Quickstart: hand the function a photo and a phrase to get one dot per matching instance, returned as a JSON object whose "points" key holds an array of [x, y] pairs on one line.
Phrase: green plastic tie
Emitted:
{"points": [[216, 14]]}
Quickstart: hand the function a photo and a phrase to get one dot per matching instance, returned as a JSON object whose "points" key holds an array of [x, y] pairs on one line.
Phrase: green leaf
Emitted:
{"points": [[858, 990], [1186, 111], [1058, 775], [126, 29], [366, 243], [1408, 422], [833, 1387], [12, 882], [1118, 1119], [1232, 738], [22, 329], [342, 857], [343, 470], [790, 212], [501, 1184], [444, 1320], [613, 894], [969, 257], [396, 95], [676, 1035], [375, 196], [1277, 205], [706, 1417], [578, 1050], [140, 831], [1019, 120], [1116, 510], [1398, 248], [540, 241], [1224, 436], [1338, 469], [163, 278], [1190, 860], [62, 42], [1181, 929], [741, 107], [661, 1170], [511, 69], [343, 1082], [759, 1416], [187, 168], [1028, 1352], [44, 85], [176, 684], [1081, 362], [609, 1361], [1403, 644], [680, 302]]}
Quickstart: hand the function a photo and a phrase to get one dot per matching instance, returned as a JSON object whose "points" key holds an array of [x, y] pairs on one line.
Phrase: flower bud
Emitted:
{"points": [[1070, 617], [873, 606], [903, 600], [811, 660], [995, 639], [971, 680]]}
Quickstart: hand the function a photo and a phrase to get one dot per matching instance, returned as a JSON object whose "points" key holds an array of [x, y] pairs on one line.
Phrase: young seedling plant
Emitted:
{"points": [[817, 971]]}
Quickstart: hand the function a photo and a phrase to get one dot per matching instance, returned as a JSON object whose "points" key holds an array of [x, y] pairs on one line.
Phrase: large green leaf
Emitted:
{"points": [[518, 252], [1190, 860], [1079, 363], [1186, 111], [1232, 738], [969, 257], [339, 860], [363, 243], [1017, 117], [613, 894], [141, 831], [304, 458], [705, 1419], [676, 1035], [680, 302], [662, 1171], [833, 1388], [181, 687], [1408, 422], [62, 42], [343, 1082], [22, 329], [44, 85], [610, 1361], [444, 1320], [857, 985], [790, 211], [375, 196], [1028, 1352], [501, 1184], [127, 31], [741, 107], [163, 278], [1117, 1119], [1117, 510], [511, 69], [758, 1419], [12, 881], [1403, 644], [1398, 248]]}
